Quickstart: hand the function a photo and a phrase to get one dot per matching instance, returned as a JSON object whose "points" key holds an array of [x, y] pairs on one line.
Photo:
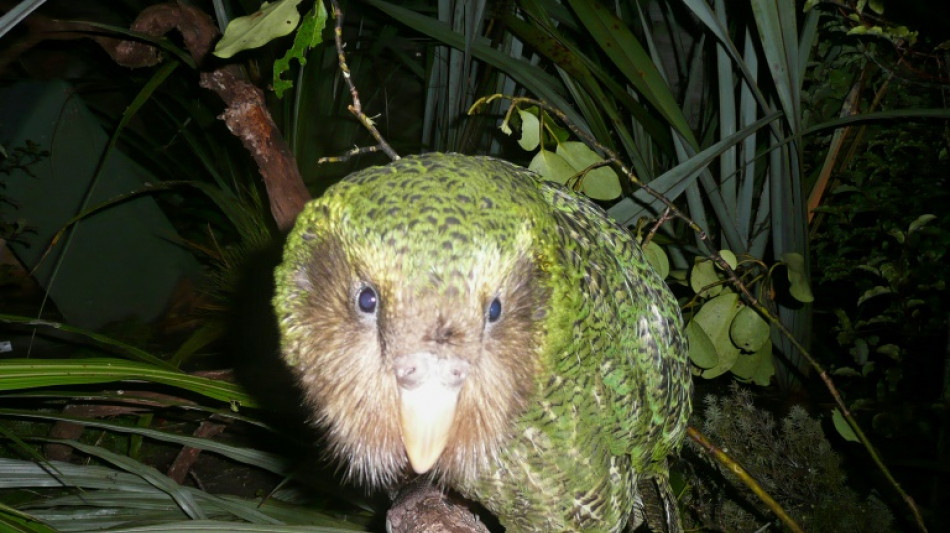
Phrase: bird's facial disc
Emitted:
{"points": [[428, 395]]}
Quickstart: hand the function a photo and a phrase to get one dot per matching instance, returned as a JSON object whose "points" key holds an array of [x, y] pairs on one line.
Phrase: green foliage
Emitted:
{"points": [[126, 486], [879, 249], [884, 258], [572, 163], [308, 36], [272, 20], [791, 459], [725, 333], [142, 402]]}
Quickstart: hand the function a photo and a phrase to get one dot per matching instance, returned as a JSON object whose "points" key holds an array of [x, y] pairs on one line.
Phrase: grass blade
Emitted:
{"points": [[16, 374]]}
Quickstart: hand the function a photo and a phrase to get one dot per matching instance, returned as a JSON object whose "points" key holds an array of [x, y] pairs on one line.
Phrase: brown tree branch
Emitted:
{"points": [[246, 115], [421, 507], [248, 119]]}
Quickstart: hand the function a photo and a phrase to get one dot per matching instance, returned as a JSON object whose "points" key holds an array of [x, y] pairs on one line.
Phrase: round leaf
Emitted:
{"points": [[897, 234], [715, 317], [601, 183], [702, 352], [748, 330], [745, 366], [704, 275], [756, 367], [551, 166], [530, 130], [891, 350], [729, 258], [657, 259]]}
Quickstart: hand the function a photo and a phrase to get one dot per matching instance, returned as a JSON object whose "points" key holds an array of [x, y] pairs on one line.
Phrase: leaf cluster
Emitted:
{"points": [[726, 333]]}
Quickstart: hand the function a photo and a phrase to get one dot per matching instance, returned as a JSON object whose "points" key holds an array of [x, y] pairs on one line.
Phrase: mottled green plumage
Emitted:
{"points": [[571, 398]]}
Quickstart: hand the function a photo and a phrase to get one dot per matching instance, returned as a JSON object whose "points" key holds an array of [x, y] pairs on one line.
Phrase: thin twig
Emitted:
{"points": [[713, 254], [346, 156], [356, 108], [656, 226]]}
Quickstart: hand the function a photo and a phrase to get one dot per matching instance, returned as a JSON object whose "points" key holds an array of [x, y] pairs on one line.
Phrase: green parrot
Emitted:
{"points": [[459, 317]]}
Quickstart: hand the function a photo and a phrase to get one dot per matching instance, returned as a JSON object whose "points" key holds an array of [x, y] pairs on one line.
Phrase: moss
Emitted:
{"points": [[792, 460]]}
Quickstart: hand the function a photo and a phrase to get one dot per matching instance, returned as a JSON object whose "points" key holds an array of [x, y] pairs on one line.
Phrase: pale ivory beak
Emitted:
{"points": [[426, 416], [428, 395]]}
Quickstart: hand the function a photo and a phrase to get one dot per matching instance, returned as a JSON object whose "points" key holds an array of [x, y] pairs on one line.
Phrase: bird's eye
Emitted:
{"points": [[494, 310], [367, 300]]}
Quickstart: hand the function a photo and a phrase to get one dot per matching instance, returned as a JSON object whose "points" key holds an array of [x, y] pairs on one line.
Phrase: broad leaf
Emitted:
{"points": [[748, 330], [530, 130], [271, 21], [657, 258], [601, 183], [797, 277], [703, 277], [844, 429], [715, 317]]}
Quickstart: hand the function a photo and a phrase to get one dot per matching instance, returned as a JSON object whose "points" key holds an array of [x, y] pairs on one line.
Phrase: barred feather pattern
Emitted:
{"points": [[577, 395]]}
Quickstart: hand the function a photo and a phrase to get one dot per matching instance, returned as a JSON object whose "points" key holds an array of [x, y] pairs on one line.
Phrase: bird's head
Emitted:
{"points": [[411, 300]]}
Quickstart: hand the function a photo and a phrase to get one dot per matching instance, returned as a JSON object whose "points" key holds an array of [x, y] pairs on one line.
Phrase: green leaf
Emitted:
{"points": [[704, 275], [18, 374], [657, 258], [309, 35], [633, 61], [672, 183], [844, 429], [98, 339], [766, 369], [13, 521], [755, 367], [600, 183], [729, 258], [533, 77], [745, 366], [891, 350], [846, 371], [748, 330], [249, 456], [860, 351], [921, 221], [591, 85], [873, 292], [797, 277], [715, 317], [530, 130], [702, 351], [776, 22], [184, 498], [897, 234], [551, 166], [272, 20]]}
